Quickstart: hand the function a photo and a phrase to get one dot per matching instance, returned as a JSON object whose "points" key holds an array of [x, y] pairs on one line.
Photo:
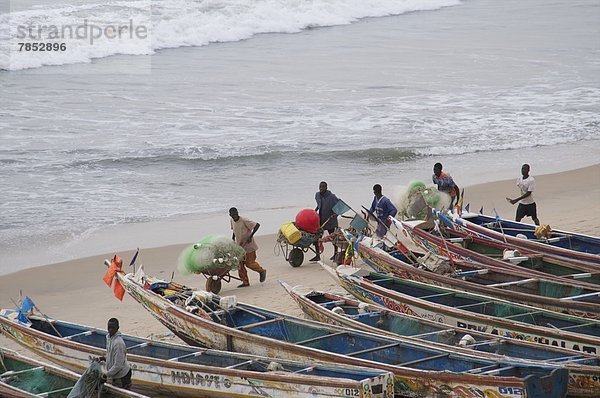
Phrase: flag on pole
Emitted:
{"points": [[358, 223], [134, 257], [340, 207], [110, 279], [26, 306], [446, 221], [497, 215]]}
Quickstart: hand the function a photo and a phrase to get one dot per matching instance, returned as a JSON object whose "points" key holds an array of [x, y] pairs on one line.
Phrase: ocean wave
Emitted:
{"points": [[266, 156], [202, 157], [159, 24], [208, 156]]}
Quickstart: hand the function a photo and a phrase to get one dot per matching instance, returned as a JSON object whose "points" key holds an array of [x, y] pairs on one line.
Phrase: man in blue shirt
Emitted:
{"points": [[329, 222], [382, 207]]}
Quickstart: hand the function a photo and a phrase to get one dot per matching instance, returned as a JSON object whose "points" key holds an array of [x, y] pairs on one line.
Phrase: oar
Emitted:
{"points": [[47, 320], [38, 310], [437, 228]]}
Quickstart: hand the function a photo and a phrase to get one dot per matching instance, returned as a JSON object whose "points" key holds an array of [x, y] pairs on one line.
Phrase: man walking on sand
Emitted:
{"points": [[527, 206], [243, 234]]}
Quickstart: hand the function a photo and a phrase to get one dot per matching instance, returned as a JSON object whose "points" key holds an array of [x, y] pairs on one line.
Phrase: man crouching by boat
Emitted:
{"points": [[117, 367]]}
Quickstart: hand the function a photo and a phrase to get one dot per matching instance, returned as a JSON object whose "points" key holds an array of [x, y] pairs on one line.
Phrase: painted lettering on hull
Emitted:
{"points": [[523, 337], [198, 379]]}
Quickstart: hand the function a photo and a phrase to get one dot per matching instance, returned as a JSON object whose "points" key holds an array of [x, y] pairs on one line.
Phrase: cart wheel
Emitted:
{"points": [[213, 285], [296, 257]]}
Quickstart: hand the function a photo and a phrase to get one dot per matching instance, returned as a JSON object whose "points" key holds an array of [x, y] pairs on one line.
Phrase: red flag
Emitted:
{"points": [[115, 266], [118, 289]]}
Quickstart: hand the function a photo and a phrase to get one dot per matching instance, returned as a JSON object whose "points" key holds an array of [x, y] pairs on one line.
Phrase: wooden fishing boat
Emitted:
{"points": [[175, 370], [555, 295], [471, 311], [419, 370], [584, 369], [555, 237], [23, 377], [471, 228], [467, 247]]}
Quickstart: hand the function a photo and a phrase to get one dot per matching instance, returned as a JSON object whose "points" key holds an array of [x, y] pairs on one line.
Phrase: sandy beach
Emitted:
{"points": [[74, 290]]}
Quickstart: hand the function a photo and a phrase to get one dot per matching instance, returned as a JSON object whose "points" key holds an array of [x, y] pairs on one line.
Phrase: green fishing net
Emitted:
{"points": [[416, 185], [211, 253], [418, 198], [89, 382], [32, 379]]}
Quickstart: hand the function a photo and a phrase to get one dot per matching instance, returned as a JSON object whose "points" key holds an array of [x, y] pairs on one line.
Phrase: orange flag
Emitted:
{"points": [[115, 266], [118, 290]]}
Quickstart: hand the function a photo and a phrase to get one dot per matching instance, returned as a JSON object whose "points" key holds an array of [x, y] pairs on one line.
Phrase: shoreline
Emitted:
{"points": [[74, 291], [354, 186]]}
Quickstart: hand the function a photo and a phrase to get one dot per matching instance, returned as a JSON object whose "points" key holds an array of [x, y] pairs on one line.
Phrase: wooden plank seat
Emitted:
{"points": [[460, 307], [416, 361], [320, 337], [261, 323], [381, 347], [581, 296], [519, 282], [18, 372], [437, 295], [193, 354], [445, 331], [238, 365], [86, 333]]}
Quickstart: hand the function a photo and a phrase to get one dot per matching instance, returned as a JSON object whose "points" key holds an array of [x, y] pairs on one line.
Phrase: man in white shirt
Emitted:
{"points": [[527, 207]]}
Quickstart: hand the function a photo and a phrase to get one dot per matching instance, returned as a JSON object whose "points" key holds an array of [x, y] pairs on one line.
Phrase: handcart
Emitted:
{"points": [[294, 252], [215, 276]]}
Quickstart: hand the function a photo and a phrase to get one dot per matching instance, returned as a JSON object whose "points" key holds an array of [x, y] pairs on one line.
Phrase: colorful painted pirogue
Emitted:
{"points": [[471, 228], [174, 370], [553, 237], [23, 377], [489, 252], [419, 370], [471, 311], [556, 295], [584, 369]]}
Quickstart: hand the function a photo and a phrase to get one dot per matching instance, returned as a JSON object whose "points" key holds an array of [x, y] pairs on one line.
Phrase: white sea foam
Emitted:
{"points": [[173, 23]]}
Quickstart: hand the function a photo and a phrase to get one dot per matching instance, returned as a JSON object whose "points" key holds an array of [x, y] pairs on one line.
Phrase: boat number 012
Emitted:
{"points": [[510, 390], [348, 392]]}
